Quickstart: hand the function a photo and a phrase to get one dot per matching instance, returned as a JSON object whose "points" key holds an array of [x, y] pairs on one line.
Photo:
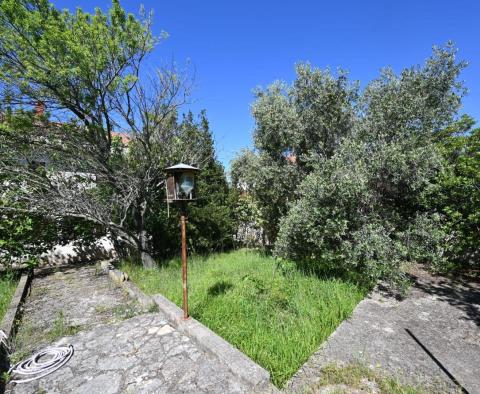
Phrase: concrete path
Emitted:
{"points": [[440, 319], [114, 352]]}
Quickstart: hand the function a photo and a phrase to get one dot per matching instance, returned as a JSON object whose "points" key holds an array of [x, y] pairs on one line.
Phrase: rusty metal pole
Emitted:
{"points": [[183, 223]]}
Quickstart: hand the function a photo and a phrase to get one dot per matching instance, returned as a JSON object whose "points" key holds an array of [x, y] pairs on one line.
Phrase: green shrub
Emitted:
{"points": [[457, 192], [355, 212]]}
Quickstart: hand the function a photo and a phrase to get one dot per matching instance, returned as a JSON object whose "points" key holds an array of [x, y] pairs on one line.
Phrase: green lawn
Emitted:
{"points": [[8, 284], [277, 316]]}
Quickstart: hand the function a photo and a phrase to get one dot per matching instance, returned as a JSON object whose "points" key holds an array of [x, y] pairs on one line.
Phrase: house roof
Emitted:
{"points": [[125, 138], [291, 158], [40, 111]]}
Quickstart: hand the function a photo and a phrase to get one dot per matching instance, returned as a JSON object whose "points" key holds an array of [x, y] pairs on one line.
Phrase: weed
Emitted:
{"points": [[61, 328], [29, 337], [102, 308], [98, 269], [5, 377], [124, 312], [24, 334], [361, 378], [39, 291]]}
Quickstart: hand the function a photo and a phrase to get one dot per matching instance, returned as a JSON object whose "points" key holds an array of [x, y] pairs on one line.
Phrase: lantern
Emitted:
{"points": [[181, 189], [181, 183]]}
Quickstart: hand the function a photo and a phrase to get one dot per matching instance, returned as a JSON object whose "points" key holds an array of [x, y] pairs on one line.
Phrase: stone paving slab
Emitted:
{"points": [[68, 300], [143, 354], [114, 352], [442, 313]]}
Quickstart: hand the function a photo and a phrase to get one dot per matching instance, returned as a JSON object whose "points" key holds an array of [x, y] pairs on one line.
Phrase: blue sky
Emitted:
{"points": [[235, 46]]}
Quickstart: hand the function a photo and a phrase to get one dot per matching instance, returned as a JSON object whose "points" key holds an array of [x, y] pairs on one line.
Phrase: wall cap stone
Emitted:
{"points": [[238, 363], [8, 324]]}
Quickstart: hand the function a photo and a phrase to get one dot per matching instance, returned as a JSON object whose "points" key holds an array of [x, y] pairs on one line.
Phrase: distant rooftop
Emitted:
{"points": [[125, 138]]}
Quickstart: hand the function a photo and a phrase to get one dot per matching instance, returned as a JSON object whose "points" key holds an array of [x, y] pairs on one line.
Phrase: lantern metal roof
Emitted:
{"points": [[181, 167]]}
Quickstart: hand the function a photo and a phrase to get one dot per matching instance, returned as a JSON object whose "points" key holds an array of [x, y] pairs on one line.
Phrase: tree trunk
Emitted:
{"points": [[147, 260], [143, 238], [145, 257]]}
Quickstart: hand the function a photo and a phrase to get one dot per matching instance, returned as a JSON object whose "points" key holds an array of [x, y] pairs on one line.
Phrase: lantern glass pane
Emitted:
{"points": [[186, 183]]}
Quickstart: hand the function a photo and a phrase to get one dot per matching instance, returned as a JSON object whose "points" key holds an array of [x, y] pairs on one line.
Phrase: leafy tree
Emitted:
{"points": [[247, 220], [270, 182], [294, 125], [210, 222], [457, 190], [87, 69], [359, 165], [15, 230]]}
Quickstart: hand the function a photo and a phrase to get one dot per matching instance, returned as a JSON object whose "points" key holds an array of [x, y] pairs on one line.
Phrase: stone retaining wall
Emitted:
{"points": [[238, 363]]}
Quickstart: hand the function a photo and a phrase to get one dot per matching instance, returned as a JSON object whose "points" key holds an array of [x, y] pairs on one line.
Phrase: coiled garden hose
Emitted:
{"points": [[40, 364]]}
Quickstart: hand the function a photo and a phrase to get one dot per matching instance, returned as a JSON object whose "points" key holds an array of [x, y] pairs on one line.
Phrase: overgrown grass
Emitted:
{"points": [[276, 315], [357, 376], [8, 284]]}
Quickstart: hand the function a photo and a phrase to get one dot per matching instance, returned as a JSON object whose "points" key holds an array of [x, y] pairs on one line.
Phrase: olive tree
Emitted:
{"points": [[363, 159], [294, 126]]}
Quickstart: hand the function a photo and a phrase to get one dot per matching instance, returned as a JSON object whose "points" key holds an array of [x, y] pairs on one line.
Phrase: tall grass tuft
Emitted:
{"points": [[8, 285]]}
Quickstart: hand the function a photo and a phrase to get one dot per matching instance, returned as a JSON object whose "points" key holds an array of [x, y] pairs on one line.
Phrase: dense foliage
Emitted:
{"points": [[341, 174], [24, 237], [210, 222], [88, 71], [457, 192]]}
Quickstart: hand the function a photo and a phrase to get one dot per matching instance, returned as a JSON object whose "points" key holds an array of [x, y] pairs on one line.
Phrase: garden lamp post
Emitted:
{"points": [[181, 190]]}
